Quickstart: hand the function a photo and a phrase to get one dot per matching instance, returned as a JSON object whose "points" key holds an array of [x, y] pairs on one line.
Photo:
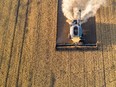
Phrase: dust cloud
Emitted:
{"points": [[70, 8]]}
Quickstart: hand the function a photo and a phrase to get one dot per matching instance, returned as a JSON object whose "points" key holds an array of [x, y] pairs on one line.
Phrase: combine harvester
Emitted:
{"points": [[77, 35]]}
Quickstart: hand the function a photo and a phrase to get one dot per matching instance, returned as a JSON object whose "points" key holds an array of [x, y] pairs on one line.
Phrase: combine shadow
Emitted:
{"points": [[106, 36]]}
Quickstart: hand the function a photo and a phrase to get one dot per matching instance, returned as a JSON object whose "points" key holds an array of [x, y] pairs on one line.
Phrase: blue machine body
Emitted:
{"points": [[76, 29]]}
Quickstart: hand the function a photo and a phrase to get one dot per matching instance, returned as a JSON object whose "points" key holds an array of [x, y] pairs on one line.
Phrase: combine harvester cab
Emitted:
{"points": [[76, 33]]}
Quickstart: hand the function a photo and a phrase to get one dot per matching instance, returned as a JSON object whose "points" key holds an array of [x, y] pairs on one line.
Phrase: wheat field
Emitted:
{"points": [[28, 57]]}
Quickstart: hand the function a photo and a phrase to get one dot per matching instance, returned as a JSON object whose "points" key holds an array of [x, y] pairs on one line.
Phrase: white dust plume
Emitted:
{"points": [[70, 8]]}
